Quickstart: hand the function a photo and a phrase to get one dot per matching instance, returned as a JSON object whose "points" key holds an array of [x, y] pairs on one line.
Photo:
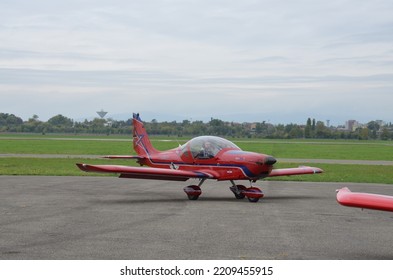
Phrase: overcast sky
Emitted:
{"points": [[249, 60]]}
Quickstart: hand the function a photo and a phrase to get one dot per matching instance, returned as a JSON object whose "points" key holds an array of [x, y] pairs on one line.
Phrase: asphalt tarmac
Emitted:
{"points": [[112, 218]]}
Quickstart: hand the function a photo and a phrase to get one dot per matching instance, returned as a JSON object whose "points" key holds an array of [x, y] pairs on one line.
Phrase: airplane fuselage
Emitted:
{"points": [[226, 165]]}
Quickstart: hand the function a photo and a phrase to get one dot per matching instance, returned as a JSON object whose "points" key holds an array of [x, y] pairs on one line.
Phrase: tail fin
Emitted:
{"points": [[142, 144]]}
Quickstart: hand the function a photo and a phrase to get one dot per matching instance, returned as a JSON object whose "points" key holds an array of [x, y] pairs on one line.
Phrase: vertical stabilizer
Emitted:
{"points": [[142, 144]]}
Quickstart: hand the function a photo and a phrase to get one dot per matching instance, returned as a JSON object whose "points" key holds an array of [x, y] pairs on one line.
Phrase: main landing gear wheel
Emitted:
{"points": [[253, 194], [238, 191], [193, 192]]}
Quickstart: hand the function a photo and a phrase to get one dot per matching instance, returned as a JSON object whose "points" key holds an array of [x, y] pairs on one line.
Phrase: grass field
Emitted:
{"points": [[354, 150], [103, 145]]}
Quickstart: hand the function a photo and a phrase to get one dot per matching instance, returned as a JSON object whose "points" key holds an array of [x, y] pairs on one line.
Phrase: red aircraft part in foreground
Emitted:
{"points": [[204, 157], [365, 200]]}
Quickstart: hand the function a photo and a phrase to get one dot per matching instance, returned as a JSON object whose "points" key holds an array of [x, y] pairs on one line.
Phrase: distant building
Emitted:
{"points": [[351, 125], [253, 127]]}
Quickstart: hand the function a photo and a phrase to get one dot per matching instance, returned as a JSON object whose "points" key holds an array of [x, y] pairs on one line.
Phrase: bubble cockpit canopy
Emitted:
{"points": [[207, 146]]}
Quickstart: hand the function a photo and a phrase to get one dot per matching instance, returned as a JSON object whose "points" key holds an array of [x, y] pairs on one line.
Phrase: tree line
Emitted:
{"points": [[9, 123]]}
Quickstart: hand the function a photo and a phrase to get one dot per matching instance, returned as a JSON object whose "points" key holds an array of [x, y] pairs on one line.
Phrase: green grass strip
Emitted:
{"points": [[307, 150]]}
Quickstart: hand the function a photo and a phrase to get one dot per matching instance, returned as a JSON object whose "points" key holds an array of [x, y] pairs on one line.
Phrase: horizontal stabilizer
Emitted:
{"points": [[364, 200]]}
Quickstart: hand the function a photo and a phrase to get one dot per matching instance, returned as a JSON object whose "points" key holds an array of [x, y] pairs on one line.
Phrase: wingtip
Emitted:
{"points": [[81, 166], [314, 169], [318, 170], [343, 196], [343, 189]]}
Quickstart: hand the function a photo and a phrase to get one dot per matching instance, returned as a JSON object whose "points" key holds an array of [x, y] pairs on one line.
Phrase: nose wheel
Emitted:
{"points": [[253, 194]]}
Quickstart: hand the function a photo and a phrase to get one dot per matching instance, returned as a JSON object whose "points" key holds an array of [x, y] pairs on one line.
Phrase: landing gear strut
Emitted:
{"points": [[238, 190], [252, 193]]}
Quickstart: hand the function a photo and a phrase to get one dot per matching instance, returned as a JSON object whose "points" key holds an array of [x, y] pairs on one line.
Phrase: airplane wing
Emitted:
{"points": [[364, 200], [147, 172], [301, 170]]}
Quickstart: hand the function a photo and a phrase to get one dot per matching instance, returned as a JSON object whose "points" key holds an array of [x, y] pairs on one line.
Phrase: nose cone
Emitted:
{"points": [[269, 160], [266, 160]]}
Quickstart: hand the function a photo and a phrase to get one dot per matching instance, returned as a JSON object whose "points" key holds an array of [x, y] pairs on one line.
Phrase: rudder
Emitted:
{"points": [[141, 141]]}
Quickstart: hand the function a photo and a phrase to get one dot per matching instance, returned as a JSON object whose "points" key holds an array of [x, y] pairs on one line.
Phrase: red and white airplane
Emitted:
{"points": [[364, 200], [204, 157]]}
